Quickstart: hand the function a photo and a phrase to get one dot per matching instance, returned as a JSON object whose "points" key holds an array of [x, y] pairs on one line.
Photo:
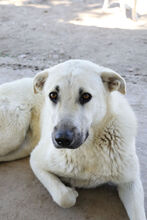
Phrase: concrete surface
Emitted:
{"points": [[37, 34]]}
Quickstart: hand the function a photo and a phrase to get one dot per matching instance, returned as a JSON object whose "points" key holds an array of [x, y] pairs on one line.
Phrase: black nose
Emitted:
{"points": [[64, 138]]}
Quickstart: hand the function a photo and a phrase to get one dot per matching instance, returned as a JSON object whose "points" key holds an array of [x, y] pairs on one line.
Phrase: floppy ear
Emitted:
{"points": [[113, 81], [39, 81]]}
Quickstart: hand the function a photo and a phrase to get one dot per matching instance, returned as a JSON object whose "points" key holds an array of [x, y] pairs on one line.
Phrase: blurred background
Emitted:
{"points": [[37, 34]]}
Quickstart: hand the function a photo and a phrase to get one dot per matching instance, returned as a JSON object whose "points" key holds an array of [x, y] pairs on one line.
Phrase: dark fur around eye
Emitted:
{"points": [[84, 98], [53, 97]]}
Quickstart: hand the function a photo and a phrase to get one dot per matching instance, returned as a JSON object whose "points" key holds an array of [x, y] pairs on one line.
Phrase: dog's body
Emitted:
{"points": [[19, 117], [87, 134]]}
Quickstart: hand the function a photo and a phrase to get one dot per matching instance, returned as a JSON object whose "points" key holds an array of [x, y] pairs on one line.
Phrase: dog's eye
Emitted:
{"points": [[85, 97], [53, 97]]}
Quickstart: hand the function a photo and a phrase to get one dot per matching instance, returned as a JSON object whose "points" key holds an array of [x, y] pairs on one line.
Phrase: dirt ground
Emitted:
{"points": [[37, 34]]}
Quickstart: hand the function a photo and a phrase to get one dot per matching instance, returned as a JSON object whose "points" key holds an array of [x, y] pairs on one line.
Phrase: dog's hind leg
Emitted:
{"points": [[23, 151], [15, 155], [14, 123], [132, 197]]}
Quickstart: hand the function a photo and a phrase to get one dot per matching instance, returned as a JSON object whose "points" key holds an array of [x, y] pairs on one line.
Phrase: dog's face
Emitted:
{"points": [[75, 100]]}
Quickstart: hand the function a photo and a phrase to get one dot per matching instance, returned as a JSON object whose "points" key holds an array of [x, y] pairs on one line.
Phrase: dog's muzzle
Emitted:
{"points": [[68, 138]]}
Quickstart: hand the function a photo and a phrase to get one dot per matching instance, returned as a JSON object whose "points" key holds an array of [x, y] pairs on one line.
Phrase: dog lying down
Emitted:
{"points": [[86, 130]]}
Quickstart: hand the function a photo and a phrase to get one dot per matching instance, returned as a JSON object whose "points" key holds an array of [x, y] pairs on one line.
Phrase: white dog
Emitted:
{"points": [[19, 117], [88, 135], [87, 131]]}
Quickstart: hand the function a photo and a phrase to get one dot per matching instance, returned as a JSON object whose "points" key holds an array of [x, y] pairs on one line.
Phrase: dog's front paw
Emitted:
{"points": [[66, 198]]}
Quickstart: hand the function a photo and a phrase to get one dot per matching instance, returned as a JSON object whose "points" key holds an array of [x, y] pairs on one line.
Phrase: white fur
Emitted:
{"points": [[19, 117], [108, 155]]}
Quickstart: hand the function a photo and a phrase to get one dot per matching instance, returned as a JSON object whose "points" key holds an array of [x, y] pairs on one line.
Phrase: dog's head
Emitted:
{"points": [[76, 94]]}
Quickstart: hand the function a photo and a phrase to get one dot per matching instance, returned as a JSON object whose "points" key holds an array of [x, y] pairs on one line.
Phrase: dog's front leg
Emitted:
{"points": [[132, 196], [62, 195]]}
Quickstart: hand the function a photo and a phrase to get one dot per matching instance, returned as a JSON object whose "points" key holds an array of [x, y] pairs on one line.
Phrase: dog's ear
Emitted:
{"points": [[39, 81], [113, 81]]}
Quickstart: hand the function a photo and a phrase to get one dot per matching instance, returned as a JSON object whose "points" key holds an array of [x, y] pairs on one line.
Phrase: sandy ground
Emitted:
{"points": [[38, 34]]}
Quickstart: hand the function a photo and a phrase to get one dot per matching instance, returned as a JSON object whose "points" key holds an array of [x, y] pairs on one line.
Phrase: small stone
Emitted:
{"points": [[23, 56], [130, 70], [55, 56]]}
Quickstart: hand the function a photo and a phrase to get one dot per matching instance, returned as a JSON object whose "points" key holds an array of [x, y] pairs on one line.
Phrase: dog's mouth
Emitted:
{"points": [[68, 139]]}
